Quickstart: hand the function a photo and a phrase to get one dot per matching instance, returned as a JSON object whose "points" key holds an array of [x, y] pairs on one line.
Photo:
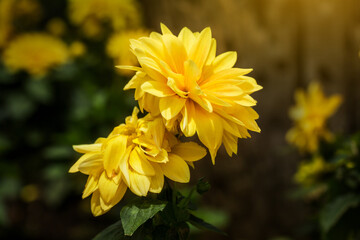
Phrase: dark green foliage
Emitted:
{"points": [[167, 217], [337, 190], [138, 212]]}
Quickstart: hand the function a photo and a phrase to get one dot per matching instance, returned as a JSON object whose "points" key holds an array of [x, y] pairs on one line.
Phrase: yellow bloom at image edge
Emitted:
{"points": [[35, 53], [181, 79], [136, 155], [310, 114]]}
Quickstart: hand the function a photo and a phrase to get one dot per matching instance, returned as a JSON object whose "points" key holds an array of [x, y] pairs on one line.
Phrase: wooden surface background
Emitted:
{"points": [[288, 43]]}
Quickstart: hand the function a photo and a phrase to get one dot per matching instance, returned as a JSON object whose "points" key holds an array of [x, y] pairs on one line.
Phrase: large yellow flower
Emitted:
{"points": [[194, 90], [136, 155], [35, 53], [118, 48], [310, 114], [120, 14]]}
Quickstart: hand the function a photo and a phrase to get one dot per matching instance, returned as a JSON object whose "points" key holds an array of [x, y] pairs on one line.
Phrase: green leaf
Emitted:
{"points": [[201, 224], [134, 214], [333, 211], [113, 232], [202, 186]]}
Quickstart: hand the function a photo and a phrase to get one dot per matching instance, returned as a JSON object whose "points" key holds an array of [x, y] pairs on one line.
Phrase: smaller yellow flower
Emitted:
{"points": [[13, 12], [118, 48], [310, 114], [77, 49], [309, 171], [5, 21], [118, 14], [136, 155], [35, 53], [56, 26]]}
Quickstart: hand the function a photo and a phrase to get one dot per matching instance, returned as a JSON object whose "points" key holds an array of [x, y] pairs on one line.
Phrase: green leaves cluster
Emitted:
{"points": [[166, 217], [336, 190]]}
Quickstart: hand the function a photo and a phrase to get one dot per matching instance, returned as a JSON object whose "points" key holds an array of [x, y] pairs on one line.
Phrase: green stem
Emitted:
{"points": [[174, 194]]}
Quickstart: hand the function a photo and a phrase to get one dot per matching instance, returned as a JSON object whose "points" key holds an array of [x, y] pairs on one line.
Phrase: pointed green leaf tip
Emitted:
{"points": [[201, 224], [114, 231], [333, 211], [136, 213]]}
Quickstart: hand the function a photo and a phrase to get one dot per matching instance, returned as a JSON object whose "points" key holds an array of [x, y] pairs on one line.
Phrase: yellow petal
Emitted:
{"points": [[202, 101], [91, 164], [139, 184], [86, 148], [107, 188], [230, 143], [140, 164], [91, 186], [114, 151], [192, 73], [212, 52], [171, 106], [162, 157], [174, 85], [95, 204], [165, 29], [152, 68], [225, 90], [201, 47], [176, 169], [158, 89], [224, 61], [124, 165], [209, 130], [187, 124], [125, 67], [75, 168], [191, 164], [246, 101], [189, 151], [215, 100], [119, 194], [187, 37], [157, 181], [175, 52]]}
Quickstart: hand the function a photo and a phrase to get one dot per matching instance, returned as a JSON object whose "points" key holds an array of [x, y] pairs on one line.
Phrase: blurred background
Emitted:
{"points": [[72, 94]]}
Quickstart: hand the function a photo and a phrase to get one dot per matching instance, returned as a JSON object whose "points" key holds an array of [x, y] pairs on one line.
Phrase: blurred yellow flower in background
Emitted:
{"points": [[136, 155], [309, 171], [90, 14], [118, 48], [77, 49], [5, 20], [183, 80], [30, 8], [12, 11], [56, 26], [35, 53], [310, 114]]}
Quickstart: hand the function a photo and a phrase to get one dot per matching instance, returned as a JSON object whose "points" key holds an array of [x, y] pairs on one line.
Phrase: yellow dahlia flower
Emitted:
{"points": [[118, 48], [310, 114], [136, 155], [119, 14], [194, 90], [35, 53]]}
